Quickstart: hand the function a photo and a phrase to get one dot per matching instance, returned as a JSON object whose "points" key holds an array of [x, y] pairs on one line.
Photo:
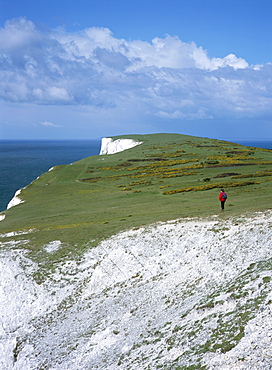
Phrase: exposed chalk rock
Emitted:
{"points": [[110, 146]]}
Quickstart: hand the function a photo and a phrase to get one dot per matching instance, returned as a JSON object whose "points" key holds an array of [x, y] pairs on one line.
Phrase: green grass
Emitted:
{"points": [[83, 203]]}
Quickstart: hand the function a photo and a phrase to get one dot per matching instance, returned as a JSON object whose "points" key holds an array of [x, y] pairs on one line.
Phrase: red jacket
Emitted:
{"points": [[221, 196]]}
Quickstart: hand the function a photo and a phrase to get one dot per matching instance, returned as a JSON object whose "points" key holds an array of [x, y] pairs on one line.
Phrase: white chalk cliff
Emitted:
{"points": [[15, 200], [110, 146], [182, 294]]}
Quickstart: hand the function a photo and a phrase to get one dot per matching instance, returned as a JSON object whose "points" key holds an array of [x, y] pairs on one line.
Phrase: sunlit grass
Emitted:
{"points": [[167, 177]]}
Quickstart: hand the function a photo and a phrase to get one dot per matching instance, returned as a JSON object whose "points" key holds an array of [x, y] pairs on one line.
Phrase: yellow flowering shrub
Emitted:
{"points": [[209, 186]]}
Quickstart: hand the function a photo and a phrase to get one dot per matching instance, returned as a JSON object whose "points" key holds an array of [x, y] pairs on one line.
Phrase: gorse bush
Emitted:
{"points": [[210, 186]]}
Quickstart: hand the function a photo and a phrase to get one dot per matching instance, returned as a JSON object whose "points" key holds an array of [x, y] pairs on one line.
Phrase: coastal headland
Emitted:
{"points": [[124, 260], [163, 177]]}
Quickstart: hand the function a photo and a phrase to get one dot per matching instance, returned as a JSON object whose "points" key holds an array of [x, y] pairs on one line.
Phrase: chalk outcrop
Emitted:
{"points": [[15, 200], [110, 146], [186, 293]]}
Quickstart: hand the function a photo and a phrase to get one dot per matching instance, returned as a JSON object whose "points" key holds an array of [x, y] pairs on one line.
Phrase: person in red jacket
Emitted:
{"points": [[222, 197]]}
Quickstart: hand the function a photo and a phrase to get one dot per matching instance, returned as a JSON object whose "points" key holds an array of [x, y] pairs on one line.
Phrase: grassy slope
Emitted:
{"points": [[82, 203]]}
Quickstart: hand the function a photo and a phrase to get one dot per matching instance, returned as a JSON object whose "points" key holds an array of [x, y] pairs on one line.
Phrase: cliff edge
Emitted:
{"points": [[110, 146]]}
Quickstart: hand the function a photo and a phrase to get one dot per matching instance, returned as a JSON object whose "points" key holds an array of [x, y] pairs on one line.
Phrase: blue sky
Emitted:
{"points": [[86, 69]]}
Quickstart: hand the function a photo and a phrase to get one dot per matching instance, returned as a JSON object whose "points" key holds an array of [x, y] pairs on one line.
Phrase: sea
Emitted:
{"points": [[21, 162]]}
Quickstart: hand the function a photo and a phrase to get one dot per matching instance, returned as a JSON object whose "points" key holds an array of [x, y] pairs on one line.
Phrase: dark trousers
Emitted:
{"points": [[222, 204]]}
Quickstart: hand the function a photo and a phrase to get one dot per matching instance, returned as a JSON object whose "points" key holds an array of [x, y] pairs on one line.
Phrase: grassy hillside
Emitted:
{"points": [[168, 176]]}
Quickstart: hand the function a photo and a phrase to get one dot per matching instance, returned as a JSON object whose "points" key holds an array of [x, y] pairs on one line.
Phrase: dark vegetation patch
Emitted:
{"points": [[226, 174], [235, 164], [207, 146], [148, 159], [123, 164], [258, 174], [240, 152], [210, 186], [91, 179]]}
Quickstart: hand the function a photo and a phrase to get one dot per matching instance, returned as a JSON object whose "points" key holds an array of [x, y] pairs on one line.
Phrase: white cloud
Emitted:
{"points": [[230, 60], [199, 114], [165, 78], [58, 94], [49, 124], [18, 33]]}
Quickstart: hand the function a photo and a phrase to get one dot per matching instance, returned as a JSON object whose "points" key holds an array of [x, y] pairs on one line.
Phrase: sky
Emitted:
{"points": [[87, 69]]}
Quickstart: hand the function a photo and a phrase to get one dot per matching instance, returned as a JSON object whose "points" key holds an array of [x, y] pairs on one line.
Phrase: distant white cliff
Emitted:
{"points": [[110, 146], [15, 200]]}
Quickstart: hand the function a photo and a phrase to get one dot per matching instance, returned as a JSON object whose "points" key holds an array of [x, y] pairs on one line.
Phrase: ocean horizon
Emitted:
{"points": [[22, 161], [258, 143]]}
